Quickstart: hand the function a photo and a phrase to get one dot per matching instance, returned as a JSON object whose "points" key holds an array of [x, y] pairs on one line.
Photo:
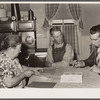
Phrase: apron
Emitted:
{"points": [[58, 53]]}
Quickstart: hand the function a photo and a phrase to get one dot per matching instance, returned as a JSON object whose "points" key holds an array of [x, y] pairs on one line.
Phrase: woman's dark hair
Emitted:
{"points": [[53, 29], [10, 40], [95, 29]]}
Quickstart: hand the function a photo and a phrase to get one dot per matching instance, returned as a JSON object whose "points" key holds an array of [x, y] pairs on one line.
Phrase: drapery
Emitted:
{"points": [[69, 33], [75, 10], [50, 11], [71, 36]]}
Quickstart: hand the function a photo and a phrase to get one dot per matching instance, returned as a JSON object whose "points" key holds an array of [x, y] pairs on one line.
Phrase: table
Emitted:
{"points": [[90, 79]]}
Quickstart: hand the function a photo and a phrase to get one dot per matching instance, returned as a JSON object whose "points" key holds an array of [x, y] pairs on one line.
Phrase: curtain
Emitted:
{"points": [[75, 10], [50, 11], [70, 36]]}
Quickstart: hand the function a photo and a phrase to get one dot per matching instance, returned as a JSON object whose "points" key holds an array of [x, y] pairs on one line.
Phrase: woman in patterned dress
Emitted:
{"points": [[12, 74]]}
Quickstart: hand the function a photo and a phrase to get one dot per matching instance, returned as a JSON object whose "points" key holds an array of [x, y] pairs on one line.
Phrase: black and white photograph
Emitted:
{"points": [[50, 48]]}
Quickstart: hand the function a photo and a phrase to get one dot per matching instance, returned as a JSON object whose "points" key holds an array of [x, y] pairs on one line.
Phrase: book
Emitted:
{"points": [[42, 84]]}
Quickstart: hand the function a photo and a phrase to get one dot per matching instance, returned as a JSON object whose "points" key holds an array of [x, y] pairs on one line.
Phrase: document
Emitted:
{"points": [[71, 77]]}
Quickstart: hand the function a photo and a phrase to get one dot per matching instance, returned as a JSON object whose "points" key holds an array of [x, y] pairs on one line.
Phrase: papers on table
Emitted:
{"points": [[71, 77], [48, 78]]}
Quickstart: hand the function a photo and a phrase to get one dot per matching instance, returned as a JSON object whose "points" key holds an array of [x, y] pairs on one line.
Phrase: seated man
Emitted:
{"points": [[59, 54], [93, 59]]}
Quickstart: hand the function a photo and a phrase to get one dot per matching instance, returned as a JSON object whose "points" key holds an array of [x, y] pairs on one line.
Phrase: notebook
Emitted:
{"points": [[42, 84]]}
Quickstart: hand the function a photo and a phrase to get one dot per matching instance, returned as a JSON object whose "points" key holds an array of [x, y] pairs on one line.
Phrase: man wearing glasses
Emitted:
{"points": [[94, 59], [59, 54]]}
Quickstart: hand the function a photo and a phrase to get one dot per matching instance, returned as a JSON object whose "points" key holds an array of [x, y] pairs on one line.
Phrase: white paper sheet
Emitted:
{"points": [[71, 77]]}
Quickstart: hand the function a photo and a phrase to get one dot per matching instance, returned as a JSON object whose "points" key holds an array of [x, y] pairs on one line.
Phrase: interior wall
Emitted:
{"points": [[43, 40], [85, 48], [39, 12], [42, 35], [23, 7], [90, 17], [63, 12]]}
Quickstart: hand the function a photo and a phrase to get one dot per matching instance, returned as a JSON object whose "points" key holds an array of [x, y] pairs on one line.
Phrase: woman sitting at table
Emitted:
{"points": [[12, 74], [59, 54]]}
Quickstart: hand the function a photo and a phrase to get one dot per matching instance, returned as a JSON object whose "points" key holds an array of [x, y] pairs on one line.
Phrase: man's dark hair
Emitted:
{"points": [[56, 28], [53, 29], [95, 29]]}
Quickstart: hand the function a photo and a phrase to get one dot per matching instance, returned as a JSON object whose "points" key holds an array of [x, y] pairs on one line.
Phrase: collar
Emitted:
{"points": [[6, 55], [58, 46]]}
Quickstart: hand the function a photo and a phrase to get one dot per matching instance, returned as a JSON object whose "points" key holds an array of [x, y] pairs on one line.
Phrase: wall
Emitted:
{"points": [[23, 7], [85, 48], [63, 12], [42, 36], [43, 41], [90, 17], [39, 11]]}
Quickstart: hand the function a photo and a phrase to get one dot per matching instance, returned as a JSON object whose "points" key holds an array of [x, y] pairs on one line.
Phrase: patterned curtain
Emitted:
{"points": [[50, 11], [71, 36], [75, 10], [71, 32]]}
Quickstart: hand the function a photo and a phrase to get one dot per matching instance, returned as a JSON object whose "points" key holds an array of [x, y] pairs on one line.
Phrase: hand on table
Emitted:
{"points": [[78, 64], [28, 73], [37, 71], [48, 64], [95, 68]]}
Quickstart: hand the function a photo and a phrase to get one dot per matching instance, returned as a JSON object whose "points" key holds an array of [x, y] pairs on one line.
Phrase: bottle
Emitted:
{"points": [[30, 15]]}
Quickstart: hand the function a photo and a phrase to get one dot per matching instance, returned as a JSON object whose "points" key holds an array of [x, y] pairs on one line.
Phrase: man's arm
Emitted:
{"points": [[90, 61], [49, 57]]}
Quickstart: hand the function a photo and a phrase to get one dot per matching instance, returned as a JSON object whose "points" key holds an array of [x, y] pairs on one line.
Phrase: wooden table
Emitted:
{"points": [[90, 79]]}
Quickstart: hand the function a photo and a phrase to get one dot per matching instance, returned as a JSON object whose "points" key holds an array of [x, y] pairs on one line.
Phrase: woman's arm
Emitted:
{"points": [[13, 81], [36, 70]]}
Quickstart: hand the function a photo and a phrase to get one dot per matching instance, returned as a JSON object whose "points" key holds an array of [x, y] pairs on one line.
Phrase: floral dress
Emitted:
{"points": [[11, 68]]}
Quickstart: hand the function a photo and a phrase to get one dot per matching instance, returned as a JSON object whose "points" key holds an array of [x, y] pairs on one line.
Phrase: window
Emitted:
{"points": [[71, 32]]}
